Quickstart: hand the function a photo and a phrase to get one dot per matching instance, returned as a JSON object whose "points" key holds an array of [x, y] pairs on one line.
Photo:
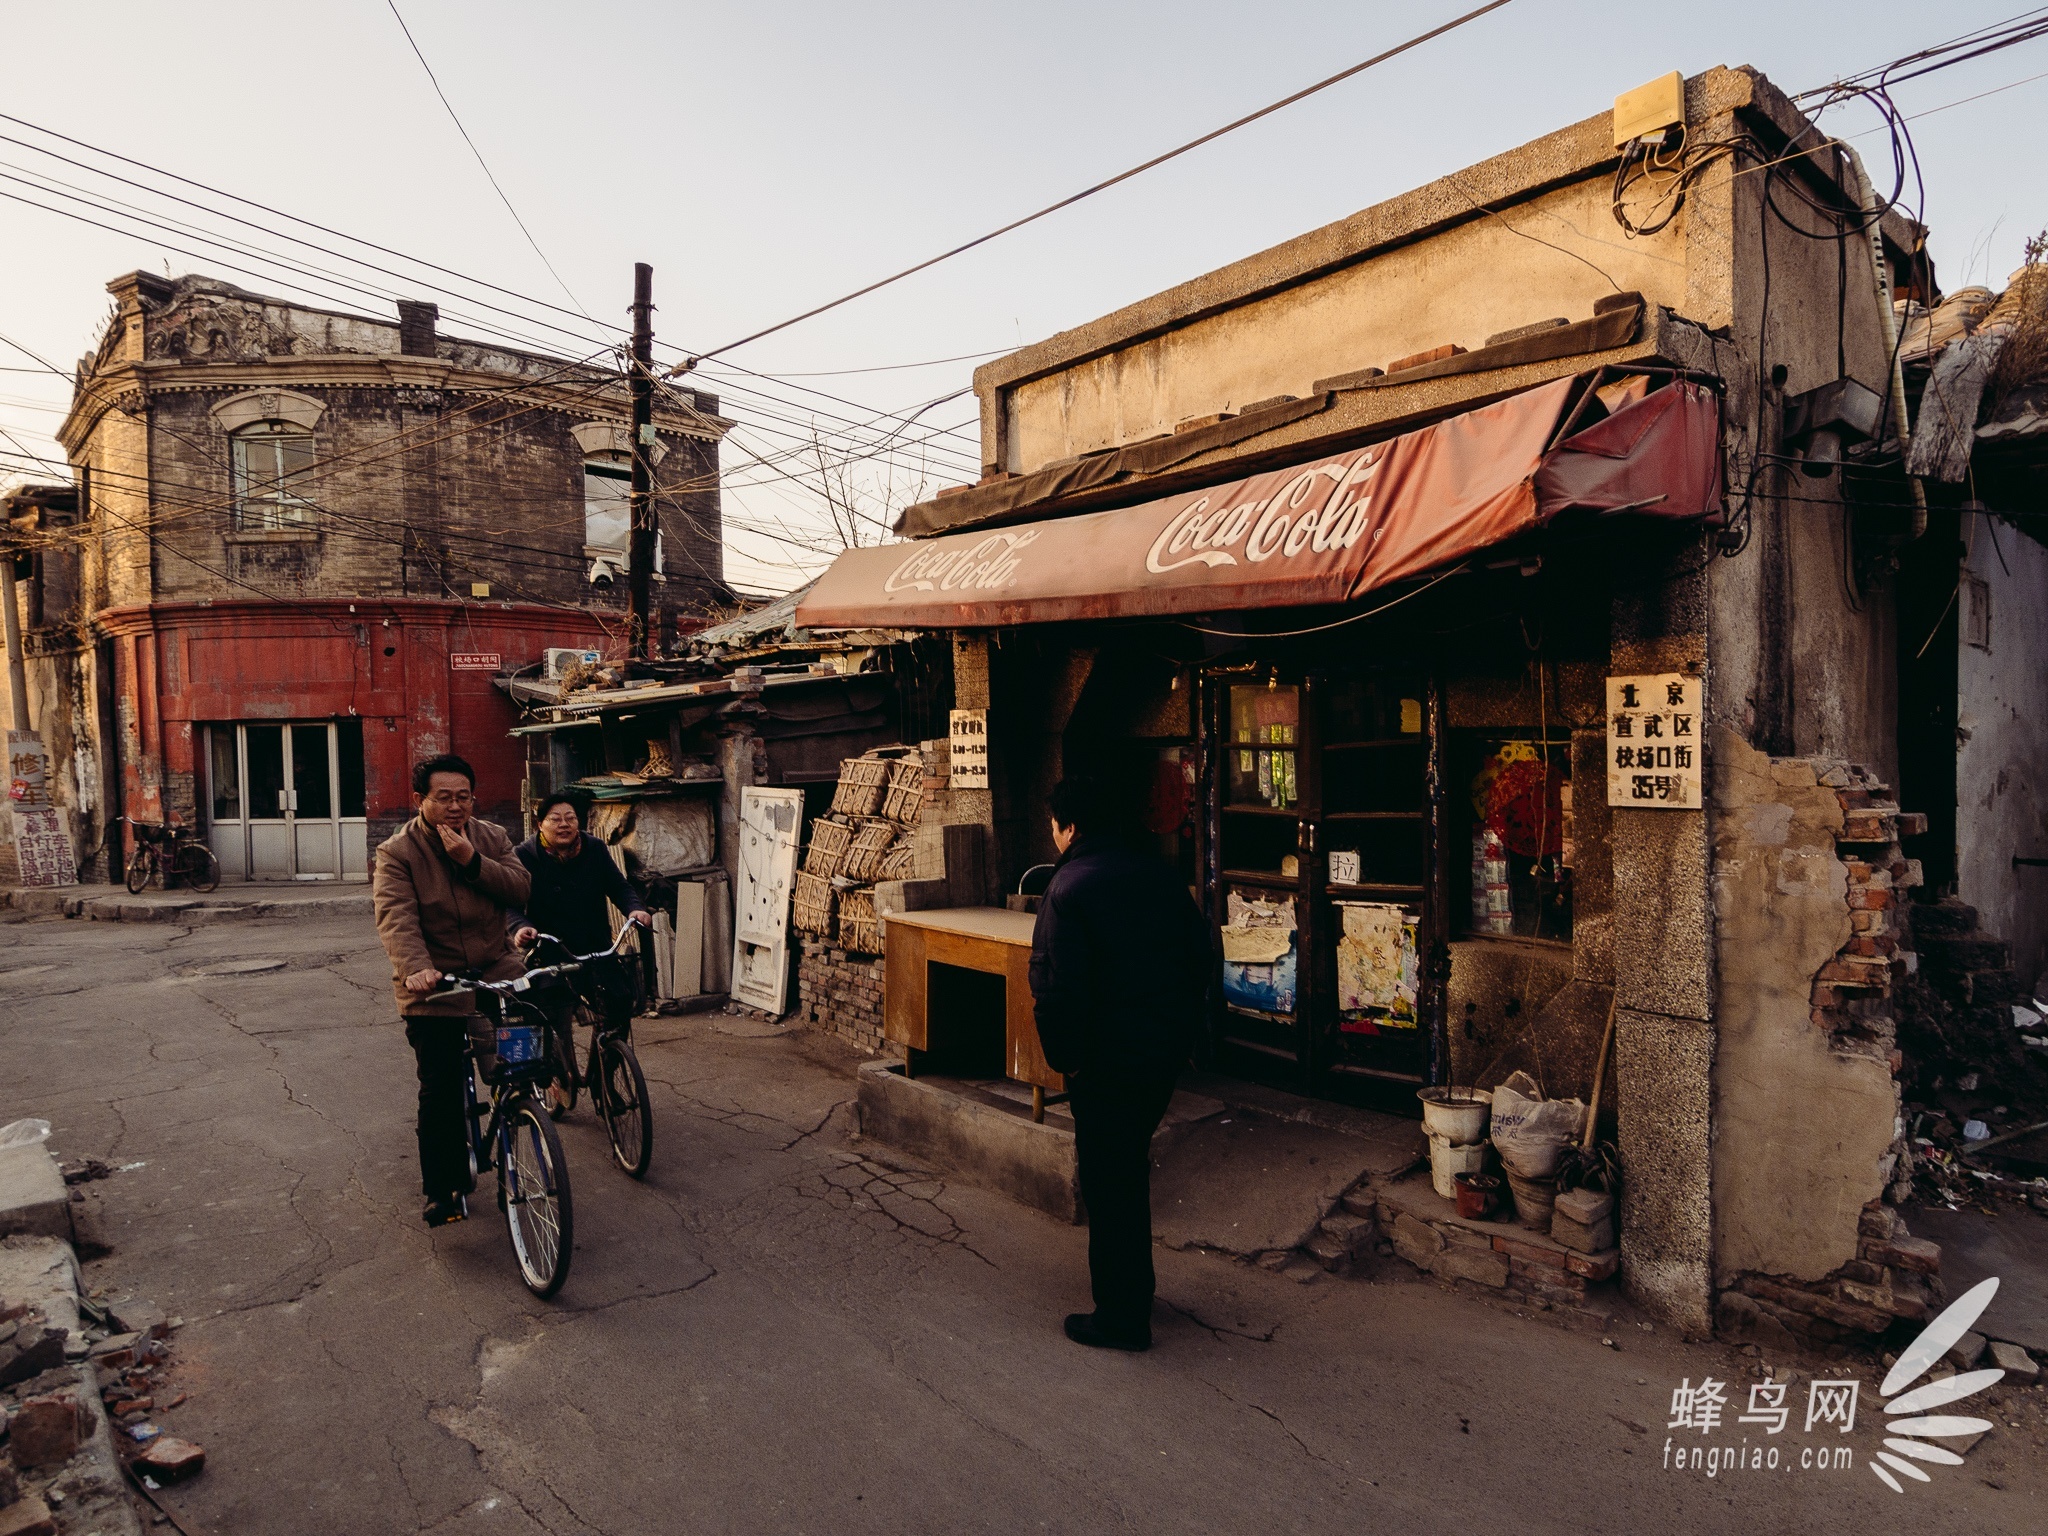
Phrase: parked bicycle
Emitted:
{"points": [[170, 854], [603, 986]]}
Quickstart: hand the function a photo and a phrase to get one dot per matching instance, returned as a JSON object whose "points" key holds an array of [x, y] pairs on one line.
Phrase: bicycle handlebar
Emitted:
{"points": [[514, 985]]}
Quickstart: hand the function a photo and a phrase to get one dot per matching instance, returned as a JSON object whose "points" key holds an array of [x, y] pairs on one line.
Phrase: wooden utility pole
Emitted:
{"points": [[642, 634]]}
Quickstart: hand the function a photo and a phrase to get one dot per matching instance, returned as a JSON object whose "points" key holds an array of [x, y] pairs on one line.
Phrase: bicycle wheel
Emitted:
{"points": [[141, 868], [621, 1094], [533, 1185], [197, 867]]}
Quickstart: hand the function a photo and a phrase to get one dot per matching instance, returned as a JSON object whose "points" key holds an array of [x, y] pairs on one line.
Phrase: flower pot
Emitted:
{"points": [[1457, 1114], [1478, 1195], [1534, 1200]]}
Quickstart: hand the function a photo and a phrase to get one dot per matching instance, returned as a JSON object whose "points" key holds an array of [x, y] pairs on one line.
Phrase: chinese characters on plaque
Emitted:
{"points": [[969, 768], [1653, 741]]}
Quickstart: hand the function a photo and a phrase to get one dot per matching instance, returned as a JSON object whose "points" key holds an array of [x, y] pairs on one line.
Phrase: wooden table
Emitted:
{"points": [[988, 939]]}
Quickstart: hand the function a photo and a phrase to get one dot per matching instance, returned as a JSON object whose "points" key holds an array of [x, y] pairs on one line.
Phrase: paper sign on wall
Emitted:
{"points": [[42, 845], [970, 749], [1653, 741]]}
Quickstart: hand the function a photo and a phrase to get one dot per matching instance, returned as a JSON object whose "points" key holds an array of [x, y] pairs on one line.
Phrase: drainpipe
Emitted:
{"points": [[17, 678], [1883, 289]]}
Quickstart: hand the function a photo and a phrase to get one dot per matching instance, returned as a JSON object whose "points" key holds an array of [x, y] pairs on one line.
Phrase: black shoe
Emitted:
{"points": [[1085, 1328], [439, 1213]]}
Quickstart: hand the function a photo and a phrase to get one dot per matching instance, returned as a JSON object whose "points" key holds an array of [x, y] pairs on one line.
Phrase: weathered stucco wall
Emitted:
{"points": [[1801, 1125], [2002, 747], [1448, 288]]}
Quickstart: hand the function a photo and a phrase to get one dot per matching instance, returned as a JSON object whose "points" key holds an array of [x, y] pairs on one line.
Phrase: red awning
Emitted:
{"points": [[1324, 532]]}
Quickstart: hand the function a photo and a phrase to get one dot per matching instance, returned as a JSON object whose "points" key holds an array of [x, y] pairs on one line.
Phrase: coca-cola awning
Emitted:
{"points": [[1328, 531]]}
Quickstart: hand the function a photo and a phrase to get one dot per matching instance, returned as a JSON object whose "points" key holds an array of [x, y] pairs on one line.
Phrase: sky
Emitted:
{"points": [[767, 158]]}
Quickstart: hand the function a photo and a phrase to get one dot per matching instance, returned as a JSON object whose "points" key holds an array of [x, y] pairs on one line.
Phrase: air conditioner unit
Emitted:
{"points": [[559, 658]]}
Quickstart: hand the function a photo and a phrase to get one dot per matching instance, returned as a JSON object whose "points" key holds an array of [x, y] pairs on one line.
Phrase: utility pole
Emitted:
{"points": [[642, 636]]}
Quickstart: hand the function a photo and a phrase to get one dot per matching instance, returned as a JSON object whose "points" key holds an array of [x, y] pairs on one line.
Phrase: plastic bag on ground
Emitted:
{"points": [[24, 1133], [1531, 1132]]}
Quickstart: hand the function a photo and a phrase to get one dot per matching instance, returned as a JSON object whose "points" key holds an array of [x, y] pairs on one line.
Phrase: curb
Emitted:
{"points": [[94, 1490], [193, 910]]}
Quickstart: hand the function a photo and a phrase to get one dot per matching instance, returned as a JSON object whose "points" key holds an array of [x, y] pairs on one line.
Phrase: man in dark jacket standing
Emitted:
{"points": [[1121, 965]]}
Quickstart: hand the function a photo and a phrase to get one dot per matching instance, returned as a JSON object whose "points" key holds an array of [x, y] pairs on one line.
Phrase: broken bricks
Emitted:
{"points": [[171, 1460], [46, 1430]]}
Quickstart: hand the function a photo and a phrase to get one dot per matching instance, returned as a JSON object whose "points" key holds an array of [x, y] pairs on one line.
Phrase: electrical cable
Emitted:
{"points": [[1122, 176], [488, 174]]}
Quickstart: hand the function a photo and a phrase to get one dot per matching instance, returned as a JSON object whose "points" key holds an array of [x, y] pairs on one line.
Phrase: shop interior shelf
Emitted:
{"points": [[1374, 815], [1271, 877], [1263, 810], [1376, 885], [1381, 741]]}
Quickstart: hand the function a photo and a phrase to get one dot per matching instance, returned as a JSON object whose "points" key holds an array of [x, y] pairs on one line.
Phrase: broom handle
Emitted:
{"points": [[1600, 1072]]}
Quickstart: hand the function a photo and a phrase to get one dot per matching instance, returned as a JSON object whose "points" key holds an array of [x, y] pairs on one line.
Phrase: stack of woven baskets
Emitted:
{"points": [[864, 838]]}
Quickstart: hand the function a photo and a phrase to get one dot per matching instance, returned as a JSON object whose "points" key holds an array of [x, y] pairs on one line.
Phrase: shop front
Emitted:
{"points": [[1346, 697]]}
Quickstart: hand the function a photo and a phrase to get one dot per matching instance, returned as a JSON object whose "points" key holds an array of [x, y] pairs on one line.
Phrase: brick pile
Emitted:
{"points": [[1498, 1256], [1894, 1277], [841, 994]]}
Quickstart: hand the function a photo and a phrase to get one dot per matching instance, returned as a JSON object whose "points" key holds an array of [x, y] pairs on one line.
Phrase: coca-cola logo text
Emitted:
{"points": [[1289, 521], [985, 566]]}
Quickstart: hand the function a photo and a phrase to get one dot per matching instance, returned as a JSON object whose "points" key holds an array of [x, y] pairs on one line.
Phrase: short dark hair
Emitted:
{"points": [[580, 804], [446, 762], [1081, 803]]}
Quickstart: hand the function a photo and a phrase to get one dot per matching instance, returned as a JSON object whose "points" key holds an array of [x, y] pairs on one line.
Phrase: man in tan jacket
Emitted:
{"points": [[442, 884]]}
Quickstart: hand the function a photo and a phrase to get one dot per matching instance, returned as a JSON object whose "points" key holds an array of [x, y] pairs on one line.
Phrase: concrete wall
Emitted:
{"points": [[1802, 1120], [1407, 299], [2002, 744]]}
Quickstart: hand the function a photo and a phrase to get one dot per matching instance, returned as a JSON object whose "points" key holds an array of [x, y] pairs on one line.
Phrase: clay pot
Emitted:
{"points": [[1478, 1195]]}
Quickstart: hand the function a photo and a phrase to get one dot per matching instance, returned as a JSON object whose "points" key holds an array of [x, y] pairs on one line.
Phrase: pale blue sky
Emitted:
{"points": [[767, 157]]}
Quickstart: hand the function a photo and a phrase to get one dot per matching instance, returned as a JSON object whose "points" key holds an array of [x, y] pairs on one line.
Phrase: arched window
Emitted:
{"points": [[271, 462]]}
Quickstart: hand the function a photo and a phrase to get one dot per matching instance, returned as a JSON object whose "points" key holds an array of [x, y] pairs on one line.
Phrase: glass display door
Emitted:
{"points": [[287, 800], [1325, 848]]}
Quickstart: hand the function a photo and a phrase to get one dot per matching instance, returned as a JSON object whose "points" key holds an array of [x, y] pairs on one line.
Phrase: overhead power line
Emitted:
{"points": [[1122, 176], [457, 121]]}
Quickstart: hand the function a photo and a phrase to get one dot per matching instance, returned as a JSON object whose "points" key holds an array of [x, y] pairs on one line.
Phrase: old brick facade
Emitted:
{"points": [[306, 541]]}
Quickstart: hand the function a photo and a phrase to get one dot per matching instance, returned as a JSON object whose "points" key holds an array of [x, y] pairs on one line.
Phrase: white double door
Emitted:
{"points": [[287, 800]]}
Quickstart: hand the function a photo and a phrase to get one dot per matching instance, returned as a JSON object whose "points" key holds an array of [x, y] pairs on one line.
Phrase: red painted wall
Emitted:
{"points": [[182, 665]]}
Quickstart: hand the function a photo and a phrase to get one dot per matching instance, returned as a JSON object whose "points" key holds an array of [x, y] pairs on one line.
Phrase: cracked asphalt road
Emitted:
{"points": [[786, 1328]]}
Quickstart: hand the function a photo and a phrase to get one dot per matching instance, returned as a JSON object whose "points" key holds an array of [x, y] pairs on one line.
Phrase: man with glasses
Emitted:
{"points": [[442, 886]]}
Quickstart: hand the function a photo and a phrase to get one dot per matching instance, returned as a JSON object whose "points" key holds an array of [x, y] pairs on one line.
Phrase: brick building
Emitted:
{"points": [[302, 542]]}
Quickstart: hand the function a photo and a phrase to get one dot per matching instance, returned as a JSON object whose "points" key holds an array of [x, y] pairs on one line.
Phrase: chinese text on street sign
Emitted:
{"points": [[475, 661], [969, 734], [1653, 741]]}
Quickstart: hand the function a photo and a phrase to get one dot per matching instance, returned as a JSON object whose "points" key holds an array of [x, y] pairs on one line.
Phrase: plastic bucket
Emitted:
{"points": [[1447, 1160], [1457, 1114], [518, 1044], [1534, 1200], [1478, 1195]]}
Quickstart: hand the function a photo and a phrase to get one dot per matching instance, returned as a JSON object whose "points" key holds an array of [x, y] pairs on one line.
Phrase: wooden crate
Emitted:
{"points": [[862, 783], [904, 798], [859, 931], [830, 838], [813, 905], [871, 841]]}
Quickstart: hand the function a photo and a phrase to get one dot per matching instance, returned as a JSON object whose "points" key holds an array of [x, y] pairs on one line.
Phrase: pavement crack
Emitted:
{"points": [[1220, 1330], [1263, 1410]]}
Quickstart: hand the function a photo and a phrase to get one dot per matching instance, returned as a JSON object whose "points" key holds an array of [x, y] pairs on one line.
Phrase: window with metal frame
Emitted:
{"points": [[271, 460]]}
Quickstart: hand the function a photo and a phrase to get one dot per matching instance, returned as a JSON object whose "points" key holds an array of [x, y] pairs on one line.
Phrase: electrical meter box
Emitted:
{"points": [[1649, 109]]}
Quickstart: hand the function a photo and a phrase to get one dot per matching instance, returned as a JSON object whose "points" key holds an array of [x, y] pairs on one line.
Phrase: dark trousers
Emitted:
{"points": [[438, 1042], [1113, 1126]]}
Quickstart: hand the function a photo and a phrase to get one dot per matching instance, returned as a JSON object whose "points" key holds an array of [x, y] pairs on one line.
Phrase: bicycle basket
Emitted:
{"points": [[518, 1044]]}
